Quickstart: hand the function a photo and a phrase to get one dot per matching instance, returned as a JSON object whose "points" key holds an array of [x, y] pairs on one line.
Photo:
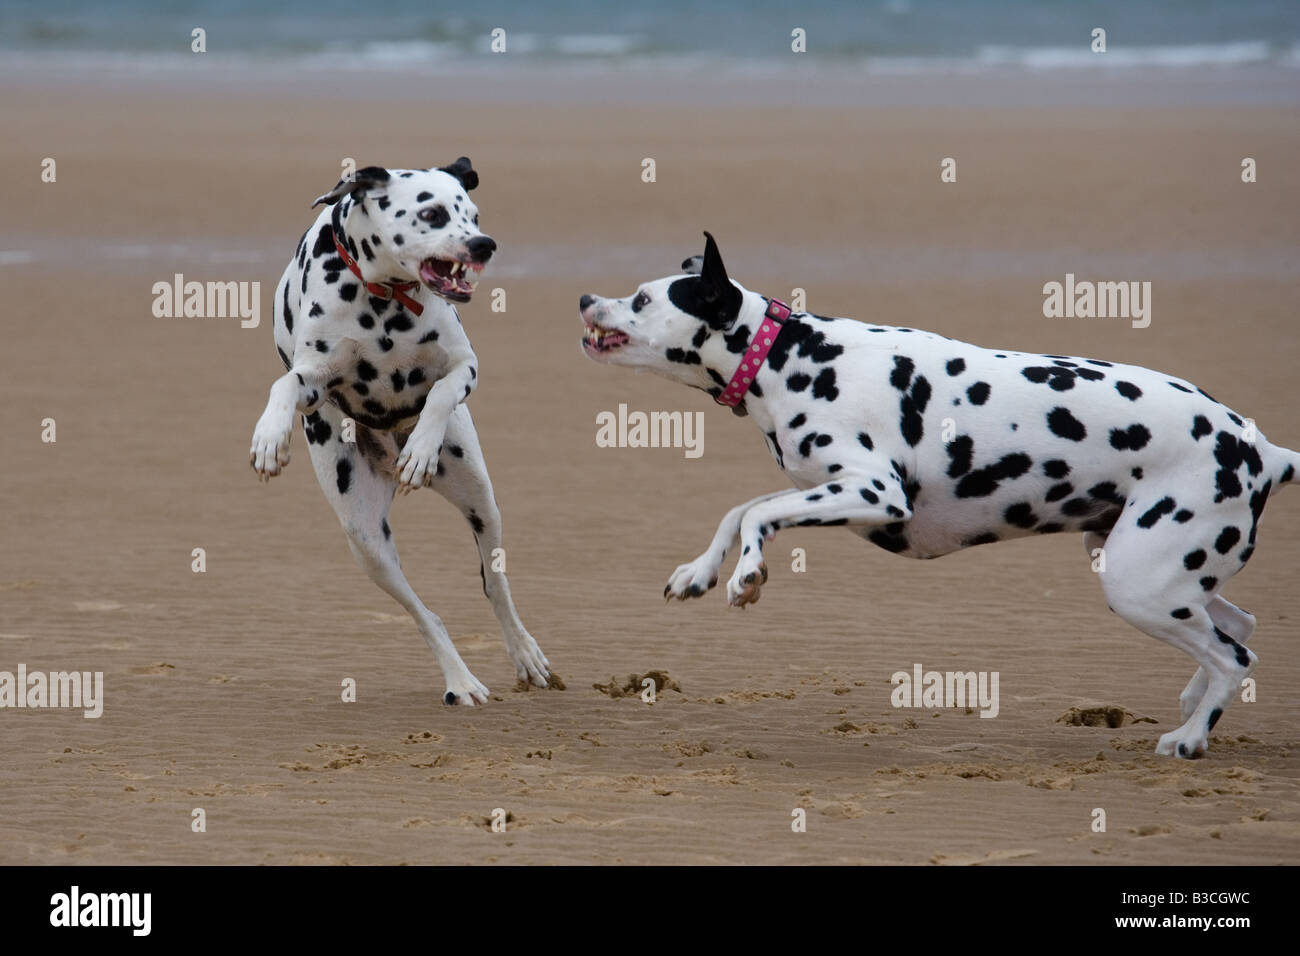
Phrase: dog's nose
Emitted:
{"points": [[481, 248], [585, 301]]}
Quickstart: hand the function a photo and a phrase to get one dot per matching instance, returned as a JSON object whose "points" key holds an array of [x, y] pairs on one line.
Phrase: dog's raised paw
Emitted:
{"points": [[269, 452], [693, 579]]}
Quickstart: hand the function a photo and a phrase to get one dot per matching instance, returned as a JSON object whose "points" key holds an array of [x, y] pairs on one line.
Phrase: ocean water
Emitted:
{"points": [[886, 36]]}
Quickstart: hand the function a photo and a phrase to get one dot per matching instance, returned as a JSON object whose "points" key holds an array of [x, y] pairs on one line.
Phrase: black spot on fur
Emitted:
{"points": [[984, 481], [1021, 515], [1201, 426], [1056, 468], [1133, 438], [343, 472], [1059, 379], [978, 393], [737, 341], [956, 366], [1194, 559], [1227, 539], [798, 382], [1156, 512], [961, 451], [863, 439], [1258, 499], [1057, 492], [366, 371], [1184, 516], [901, 377], [1243, 658], [1181, 613], [824, 385], [1064, 425], [1208, 583], [1128, 390], [1106, 491], [324, 242]]}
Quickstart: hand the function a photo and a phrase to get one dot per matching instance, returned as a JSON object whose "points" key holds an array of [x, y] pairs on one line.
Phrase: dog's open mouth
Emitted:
{"points": [[597, 339], [451, 278]]}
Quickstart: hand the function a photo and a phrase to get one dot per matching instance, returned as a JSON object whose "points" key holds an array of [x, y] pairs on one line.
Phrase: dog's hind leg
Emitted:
{"points": [[361, 496], [1237, 624], [1153, 579], [462, 478]]}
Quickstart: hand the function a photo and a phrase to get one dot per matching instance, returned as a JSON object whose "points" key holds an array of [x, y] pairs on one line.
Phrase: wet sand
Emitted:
{"points": [[222, 688]]}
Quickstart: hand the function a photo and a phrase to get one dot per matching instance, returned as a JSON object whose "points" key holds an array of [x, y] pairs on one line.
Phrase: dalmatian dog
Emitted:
{"points": [[924, 445], [379, 367]]}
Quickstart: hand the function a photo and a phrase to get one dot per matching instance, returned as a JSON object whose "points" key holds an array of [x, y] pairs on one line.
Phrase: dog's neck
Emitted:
{"points": [[718, 359], [352, 224]]}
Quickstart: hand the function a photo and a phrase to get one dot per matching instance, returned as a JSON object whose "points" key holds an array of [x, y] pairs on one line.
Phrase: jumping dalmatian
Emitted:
{"points": [[367, 331], [924, 445]]}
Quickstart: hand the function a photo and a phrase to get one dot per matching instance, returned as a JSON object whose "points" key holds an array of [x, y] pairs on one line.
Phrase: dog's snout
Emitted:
{"points": [[586, 301], [481, 248]]}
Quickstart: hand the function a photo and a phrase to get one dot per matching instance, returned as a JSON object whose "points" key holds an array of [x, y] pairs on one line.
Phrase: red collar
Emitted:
{"points": [[756, 353], [383, 290]]}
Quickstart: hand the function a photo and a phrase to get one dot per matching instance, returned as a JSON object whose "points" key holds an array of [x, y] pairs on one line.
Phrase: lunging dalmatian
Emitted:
{"points": [[367, 331], [924, 445]]}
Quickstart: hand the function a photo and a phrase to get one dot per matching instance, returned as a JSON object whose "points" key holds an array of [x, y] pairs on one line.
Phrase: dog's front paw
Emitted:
{"points": [[418, 461], [270, 450], [744, 585], [1184, 742], [465, 690], [694, 579]]}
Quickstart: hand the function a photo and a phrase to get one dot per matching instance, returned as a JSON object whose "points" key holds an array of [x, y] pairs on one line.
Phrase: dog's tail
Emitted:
{"points": [[1286, 466]]}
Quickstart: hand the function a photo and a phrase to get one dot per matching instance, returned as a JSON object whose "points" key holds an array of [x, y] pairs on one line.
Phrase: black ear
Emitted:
{"points": [[463, 171], [713, 273], [363, 179]]}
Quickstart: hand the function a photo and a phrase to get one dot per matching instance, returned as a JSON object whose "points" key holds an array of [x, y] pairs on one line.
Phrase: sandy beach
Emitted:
{"points": [[222, 688]]}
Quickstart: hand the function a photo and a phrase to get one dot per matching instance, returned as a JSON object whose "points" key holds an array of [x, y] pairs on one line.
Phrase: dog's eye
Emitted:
{"points": [[640, 302], [435, 215], [476, 219]]}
